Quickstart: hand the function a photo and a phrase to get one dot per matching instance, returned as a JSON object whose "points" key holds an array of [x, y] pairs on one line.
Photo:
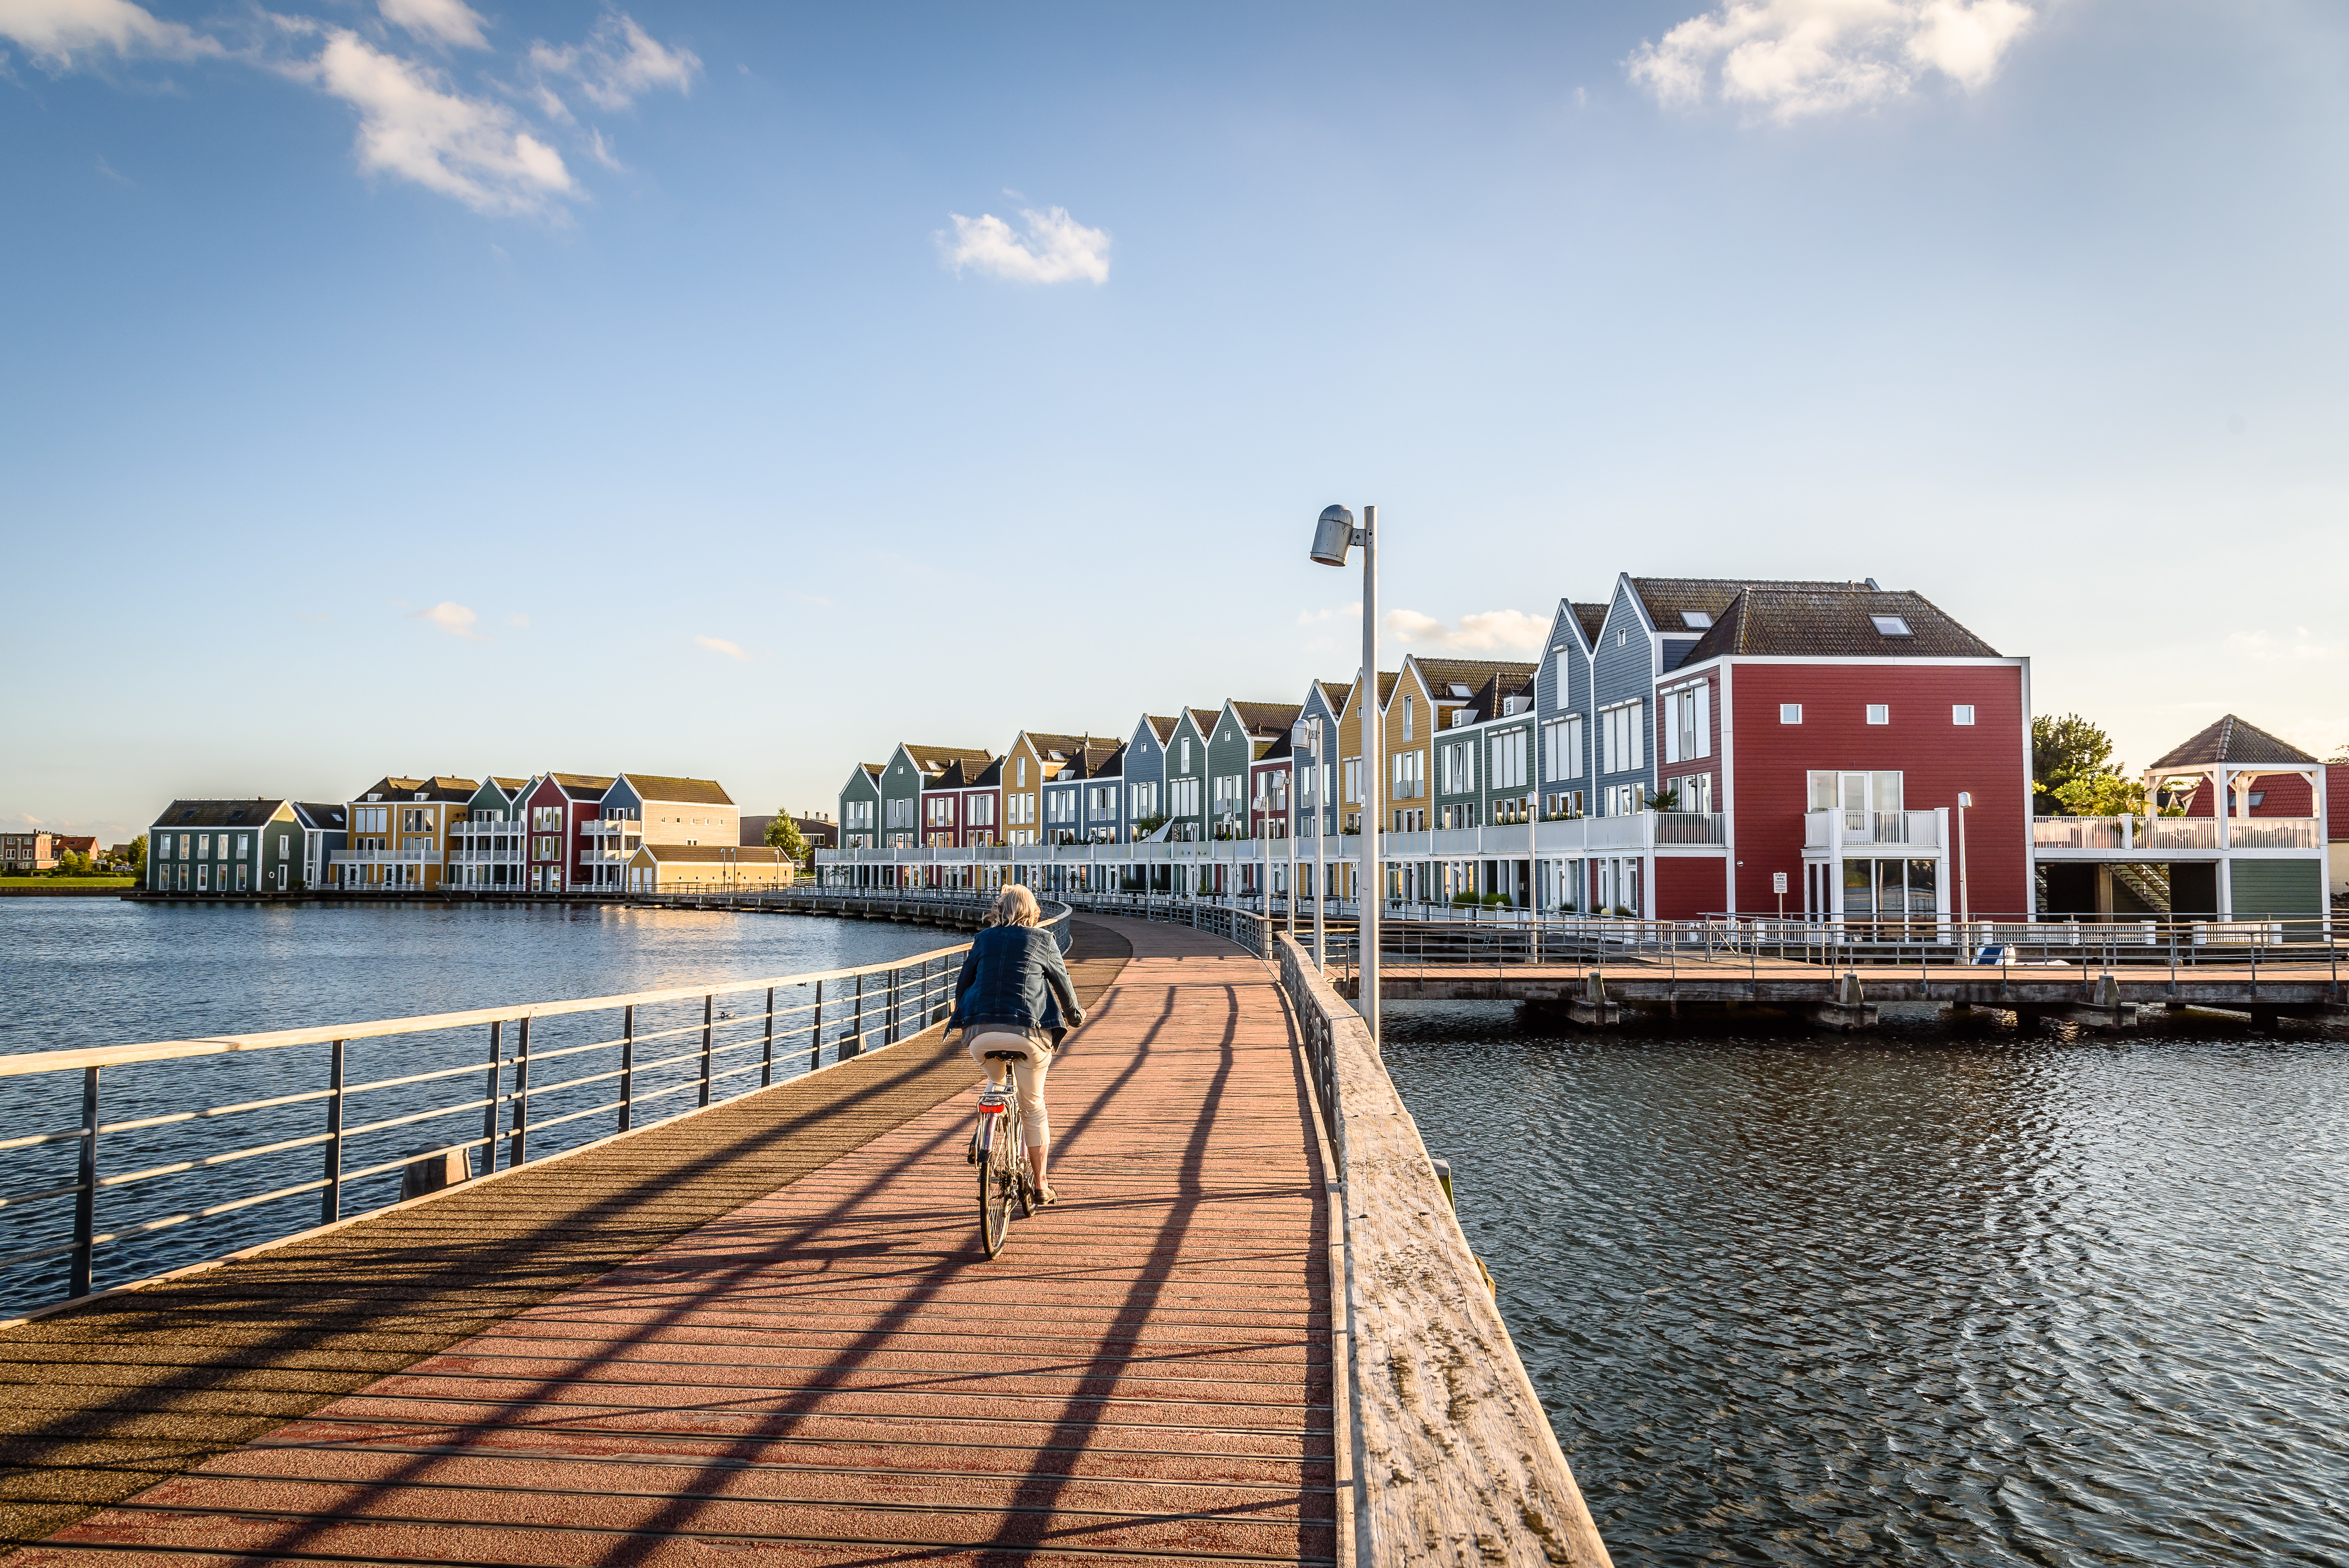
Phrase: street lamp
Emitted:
{"points": [[1333, 536], [1965, 909], [1308, 732]]}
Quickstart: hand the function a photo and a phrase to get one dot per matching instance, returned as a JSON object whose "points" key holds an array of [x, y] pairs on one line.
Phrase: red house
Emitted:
{"points": [[1835, 730], [557, 807]]}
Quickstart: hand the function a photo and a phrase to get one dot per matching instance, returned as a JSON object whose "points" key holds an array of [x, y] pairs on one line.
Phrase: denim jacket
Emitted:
{"points": [[1013, 976]]}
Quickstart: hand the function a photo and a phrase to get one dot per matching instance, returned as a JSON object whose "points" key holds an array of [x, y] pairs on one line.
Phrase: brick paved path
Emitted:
{"points": [[834, 1374]]}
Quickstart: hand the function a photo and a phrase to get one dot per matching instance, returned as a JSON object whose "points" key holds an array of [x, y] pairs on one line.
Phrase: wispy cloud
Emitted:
{"points": [[618, 64], [490, 141], [2269, 648], [519, 621], [1786, 59], [413, 125], [53, 32], [720, 646], [1054, 249], [1485, 631], [450, 617], [449, 21]]}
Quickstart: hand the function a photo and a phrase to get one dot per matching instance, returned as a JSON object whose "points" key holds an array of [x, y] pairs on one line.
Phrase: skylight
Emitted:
{"points": [[1695, 619], [1891, 626], [1462, 691]]}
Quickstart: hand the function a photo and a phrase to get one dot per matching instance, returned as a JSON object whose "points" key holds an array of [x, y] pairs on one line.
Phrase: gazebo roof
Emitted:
{"points": [[2233, 742]]}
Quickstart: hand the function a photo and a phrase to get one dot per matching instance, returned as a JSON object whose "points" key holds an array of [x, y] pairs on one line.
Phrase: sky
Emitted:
{"points": [[736, 390]]}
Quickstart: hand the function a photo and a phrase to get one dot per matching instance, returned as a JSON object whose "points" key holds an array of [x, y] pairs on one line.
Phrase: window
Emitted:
{"points": [[1145, 799], [1353, 781], [1456, 768], [1021, 809], [204, 846], [982, 810], [1622, 636], [1619, 800], [1186, 754], [1855, 793], [901, 813], [240, 878], [1695, 619], [1182, 797], [1880, 713], [162, 847], [1562, 804], [1409, 774], [1695, 791], [1508, 754], [1790, 713], [1961, 713], [1890, 625], [1620, 738], [244, 846], [1020, 770], [1688, 723], [1406, 718]]}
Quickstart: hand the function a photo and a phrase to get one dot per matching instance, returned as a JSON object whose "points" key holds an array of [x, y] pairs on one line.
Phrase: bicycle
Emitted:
{"points": [[1000, 1150]]}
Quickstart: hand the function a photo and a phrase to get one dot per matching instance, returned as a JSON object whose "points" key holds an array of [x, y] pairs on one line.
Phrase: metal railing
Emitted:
{"points": [[215, 1134]]}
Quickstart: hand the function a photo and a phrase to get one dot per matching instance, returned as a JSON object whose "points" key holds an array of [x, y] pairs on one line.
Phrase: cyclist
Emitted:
{"points": [[1014, 996]]}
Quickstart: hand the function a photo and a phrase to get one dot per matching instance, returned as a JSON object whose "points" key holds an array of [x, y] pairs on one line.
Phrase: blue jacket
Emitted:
{"points": [[1013, 976]]}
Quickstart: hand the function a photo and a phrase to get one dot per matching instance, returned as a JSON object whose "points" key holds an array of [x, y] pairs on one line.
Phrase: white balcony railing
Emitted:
{"points": [[385, 857], [2167, 835], [1822, 829]]}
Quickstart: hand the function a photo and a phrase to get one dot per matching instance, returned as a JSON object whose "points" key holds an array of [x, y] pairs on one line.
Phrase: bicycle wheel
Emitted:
{"points": [[995, 1193], [1021, 1182]]}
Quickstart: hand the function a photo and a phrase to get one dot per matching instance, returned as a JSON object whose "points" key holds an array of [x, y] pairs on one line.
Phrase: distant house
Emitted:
{"points": [[216, 846], [325, 832], [556, 811], [28, 851], [2337, 828], [485, 845], [706, 868], [399, 833], [860, 808]]}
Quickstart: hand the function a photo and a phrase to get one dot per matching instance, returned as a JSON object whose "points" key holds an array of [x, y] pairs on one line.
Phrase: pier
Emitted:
{"points": [[1250, 1331]]}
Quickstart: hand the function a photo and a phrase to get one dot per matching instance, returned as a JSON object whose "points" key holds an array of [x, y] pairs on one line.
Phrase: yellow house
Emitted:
{"points": [[400, 831], [708, 868]]}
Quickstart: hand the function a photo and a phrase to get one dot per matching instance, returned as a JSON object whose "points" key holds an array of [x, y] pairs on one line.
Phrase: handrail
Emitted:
{"points": [[714, 1056]]}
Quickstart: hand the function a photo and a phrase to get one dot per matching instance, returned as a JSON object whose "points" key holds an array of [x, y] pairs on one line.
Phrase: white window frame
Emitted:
{"points": [[1961, 713], [1790, 713], [1620, 736], [1880, 713]]}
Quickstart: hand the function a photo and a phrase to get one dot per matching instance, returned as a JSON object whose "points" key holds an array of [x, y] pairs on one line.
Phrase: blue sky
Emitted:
{"points": [[735, 390]]}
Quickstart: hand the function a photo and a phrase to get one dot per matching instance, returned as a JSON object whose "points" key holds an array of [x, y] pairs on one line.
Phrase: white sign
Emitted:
{"points": [[1777, 882]]}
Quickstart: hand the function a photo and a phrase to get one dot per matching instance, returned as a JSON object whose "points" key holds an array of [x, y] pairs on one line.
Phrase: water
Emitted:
{"points": [[1980, 1297], [97, 971]]}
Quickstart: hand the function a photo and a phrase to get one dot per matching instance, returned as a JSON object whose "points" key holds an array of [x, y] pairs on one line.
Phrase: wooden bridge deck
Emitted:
{"points": [[833, 1372]]}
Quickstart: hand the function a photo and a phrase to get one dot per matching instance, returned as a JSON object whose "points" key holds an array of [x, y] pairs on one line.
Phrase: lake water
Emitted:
{"points": [[94, 972], [1979, 1298]]}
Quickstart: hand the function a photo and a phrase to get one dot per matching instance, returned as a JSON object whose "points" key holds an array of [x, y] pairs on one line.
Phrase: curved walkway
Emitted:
{"points": [[835, 1373]]}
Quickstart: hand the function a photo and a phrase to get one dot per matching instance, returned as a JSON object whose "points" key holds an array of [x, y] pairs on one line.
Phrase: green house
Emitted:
{"points": [[211, 847]]}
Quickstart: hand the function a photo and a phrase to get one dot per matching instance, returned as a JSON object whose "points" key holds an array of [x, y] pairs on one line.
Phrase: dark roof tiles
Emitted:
{"points": [[1834, 622], [2232, 741]]}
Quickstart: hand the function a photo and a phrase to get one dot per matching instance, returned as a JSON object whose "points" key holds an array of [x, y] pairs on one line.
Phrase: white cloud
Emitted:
{"points": [[1790, 59], [53, 31], [720, 646], [450, 617], [1056, 248], [619, 63], [412, 127], [519, 621], [1485, 632], [450, 22]]}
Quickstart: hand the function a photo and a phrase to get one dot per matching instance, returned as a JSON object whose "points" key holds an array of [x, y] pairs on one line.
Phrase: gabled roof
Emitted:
{"points": [[1590, 617], [2232, 740], [1264, 718], [1202, 719], [579, 786], [937, 758], [677, 792], [1670, 600], [1277, 748], [1835, 622], [1164, 728], [961, 772], [327, 816], [1335, 693], [990, 777], [1440, 676], [439, 787], [219, 813]]}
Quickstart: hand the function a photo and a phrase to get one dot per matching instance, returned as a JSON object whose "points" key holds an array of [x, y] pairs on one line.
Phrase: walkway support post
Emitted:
{"points": [[84, 1232], [330, 1196]]}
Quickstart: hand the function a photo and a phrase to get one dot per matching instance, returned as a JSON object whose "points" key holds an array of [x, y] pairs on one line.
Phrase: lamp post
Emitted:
{"points": [[1333, 536], [1310, 731], [1965, 909]]}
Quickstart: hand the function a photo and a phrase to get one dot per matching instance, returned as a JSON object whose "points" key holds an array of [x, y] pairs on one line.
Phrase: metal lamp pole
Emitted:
{"points": [[1332, 536], [1965, 909]]}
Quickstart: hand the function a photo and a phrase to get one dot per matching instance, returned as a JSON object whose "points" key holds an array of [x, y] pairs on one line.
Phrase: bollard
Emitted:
{"points": [[431, 1170]]}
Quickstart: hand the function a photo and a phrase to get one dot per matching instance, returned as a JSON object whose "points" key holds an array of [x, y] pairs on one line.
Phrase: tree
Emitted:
{"points": [[2100, 795], [138, 855], [784, 834], [1665, 800], [2062, 748]]}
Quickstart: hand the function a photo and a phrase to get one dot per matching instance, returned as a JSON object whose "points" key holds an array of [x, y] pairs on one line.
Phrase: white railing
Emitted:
{"points": [[1823, 829], [2162, 834], [384, 858]]}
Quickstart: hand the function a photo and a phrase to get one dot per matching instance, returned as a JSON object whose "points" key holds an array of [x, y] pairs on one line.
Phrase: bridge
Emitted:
{"points": [[1251, 1331]]}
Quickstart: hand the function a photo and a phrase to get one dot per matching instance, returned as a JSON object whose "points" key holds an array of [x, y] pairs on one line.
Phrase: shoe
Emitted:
{"points": [[1048, 1197]]}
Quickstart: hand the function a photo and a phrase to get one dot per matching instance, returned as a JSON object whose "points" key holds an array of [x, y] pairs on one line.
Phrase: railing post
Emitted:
{"points": [[86, 1194], [815, 1034], [709, 1008], [627, 1067], [767, 1052], [522, 1097], [330, 1198], [489, 1093]]}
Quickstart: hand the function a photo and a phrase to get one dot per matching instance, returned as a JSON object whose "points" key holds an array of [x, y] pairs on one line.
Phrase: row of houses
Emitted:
{"points": [[554, 832], [36, 849], [1684, 747]]}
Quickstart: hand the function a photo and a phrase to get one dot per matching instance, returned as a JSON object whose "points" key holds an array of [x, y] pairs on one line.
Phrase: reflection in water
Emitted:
{"points": [[1970, 1297]]}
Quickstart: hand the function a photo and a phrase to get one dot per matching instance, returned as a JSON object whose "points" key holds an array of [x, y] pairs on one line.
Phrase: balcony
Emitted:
{"points": [[2156, 836], [605, 827], [384, 858], [1822, 829]]}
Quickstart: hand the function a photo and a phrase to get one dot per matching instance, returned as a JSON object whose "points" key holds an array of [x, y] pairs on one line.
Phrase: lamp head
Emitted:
{"points": [[1333, 536]]}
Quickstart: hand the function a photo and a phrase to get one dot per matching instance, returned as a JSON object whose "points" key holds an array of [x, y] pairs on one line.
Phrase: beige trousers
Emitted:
{"points": [[1027, 1077]]}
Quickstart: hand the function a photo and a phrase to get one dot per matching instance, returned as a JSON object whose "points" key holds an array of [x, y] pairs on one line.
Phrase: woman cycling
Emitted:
{"points": [[1014, 996]]}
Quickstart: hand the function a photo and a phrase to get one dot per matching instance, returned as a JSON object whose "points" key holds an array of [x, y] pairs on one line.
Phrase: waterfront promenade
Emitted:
{"points": [[767, 1325]]}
